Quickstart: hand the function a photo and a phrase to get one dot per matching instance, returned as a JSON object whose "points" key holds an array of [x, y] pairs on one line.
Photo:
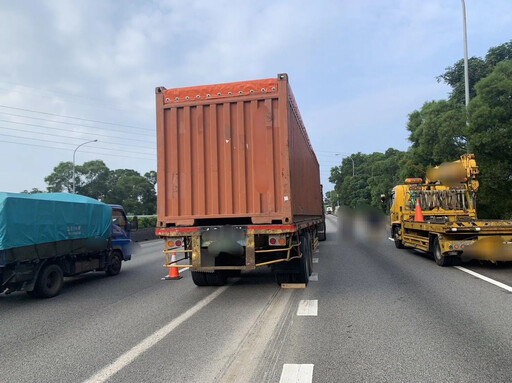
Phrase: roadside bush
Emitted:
{"points": [[145, 222]]}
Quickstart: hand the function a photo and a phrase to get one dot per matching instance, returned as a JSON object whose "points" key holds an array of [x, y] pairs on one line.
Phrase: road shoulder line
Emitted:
{"points": [[484, 278]]}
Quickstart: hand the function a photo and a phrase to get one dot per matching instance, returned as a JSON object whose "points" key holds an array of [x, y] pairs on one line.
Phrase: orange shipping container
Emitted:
{"points": [[235, 153]]}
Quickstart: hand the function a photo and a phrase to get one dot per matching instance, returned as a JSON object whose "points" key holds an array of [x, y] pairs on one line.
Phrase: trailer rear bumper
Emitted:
{"points": [[250, 245]]}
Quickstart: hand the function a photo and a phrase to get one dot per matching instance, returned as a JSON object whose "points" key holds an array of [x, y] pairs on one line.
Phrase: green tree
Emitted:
{"points": [[121, 186], [93, 178], [151, 177], [33, 191], [490, 135], [454, 76], [61, 179], [375, 174], [478, 69], [436, 134]]}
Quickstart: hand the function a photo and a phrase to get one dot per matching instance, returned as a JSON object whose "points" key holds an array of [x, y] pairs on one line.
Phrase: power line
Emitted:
{"points": [[54, 142], [74, 118], [69, 123], [82, 151], [73, 138], [97, 103], [74, 131]]}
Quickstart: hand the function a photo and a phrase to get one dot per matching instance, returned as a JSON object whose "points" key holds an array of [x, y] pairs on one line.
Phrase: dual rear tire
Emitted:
{"points": [[217, 278], [49, 282], [298, 270]]}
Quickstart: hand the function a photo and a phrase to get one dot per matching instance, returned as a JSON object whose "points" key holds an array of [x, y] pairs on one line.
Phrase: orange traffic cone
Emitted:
{"points": [[418, 215], [173, 271]]}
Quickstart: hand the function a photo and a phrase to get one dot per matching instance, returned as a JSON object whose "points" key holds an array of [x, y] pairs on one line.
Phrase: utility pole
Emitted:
{"points": [[466, 69]]}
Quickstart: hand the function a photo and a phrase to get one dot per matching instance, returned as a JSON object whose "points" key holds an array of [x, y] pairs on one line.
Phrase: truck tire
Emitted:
{"points": [[199, 278], [302, 264], [322, 235], [114, 267], [49, 281], [282, 277], [398, 243], [310, 258], [217, 278], [438, 256]]}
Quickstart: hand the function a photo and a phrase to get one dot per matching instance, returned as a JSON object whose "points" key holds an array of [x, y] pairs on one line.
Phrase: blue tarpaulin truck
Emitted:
{"points": [[44, 237]]}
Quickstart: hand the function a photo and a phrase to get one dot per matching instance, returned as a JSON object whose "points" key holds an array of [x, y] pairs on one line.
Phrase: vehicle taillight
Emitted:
{"points": [[176, 242], [277, 240]]}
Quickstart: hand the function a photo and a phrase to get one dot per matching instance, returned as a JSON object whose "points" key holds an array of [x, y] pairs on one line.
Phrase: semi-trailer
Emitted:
{"points": [[45, 237], [238, 181]]}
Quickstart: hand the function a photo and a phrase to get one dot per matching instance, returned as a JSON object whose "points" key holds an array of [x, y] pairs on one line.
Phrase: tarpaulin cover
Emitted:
{"points": [[41, 218]]}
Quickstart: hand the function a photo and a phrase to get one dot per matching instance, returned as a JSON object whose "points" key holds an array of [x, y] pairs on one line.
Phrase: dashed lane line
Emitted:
{"points": [[313, 277], [297, 373], [128, 357], [484, 278], [308, 307], [315, 260]]}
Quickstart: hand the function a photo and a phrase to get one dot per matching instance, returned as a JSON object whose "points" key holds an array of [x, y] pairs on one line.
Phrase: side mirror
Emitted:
{"points": [[135, 224], [383, 198]]}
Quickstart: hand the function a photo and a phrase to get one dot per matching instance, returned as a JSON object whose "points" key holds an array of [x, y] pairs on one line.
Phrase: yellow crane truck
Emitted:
{"points": [[438, 215]]}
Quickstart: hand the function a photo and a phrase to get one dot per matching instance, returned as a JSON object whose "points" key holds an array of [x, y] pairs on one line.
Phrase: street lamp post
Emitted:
{"points": [[466, 70], [88, 142]]}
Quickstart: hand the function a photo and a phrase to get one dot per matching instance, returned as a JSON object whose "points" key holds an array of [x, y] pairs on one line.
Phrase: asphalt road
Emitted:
{"points": [[382, 315]]}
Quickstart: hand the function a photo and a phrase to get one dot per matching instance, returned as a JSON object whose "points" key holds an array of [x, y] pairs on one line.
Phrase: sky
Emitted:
{"points": [[76, 71]]}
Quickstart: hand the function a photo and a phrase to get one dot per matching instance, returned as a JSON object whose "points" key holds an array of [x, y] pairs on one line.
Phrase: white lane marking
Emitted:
{"points": [[313, 277], [297, 373], [483, 277], [308, 307], [391, 239], [150, 243], [128, 357], [315, 260]]}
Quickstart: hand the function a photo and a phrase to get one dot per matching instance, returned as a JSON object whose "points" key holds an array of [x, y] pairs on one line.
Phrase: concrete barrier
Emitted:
{"points": [[143, 235]]}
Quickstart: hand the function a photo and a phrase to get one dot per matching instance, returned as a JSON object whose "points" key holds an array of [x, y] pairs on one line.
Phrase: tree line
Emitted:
{"points": [[94, 179], [438, 133]]}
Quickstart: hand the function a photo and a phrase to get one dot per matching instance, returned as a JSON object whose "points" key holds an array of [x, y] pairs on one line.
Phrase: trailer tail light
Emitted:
{"points": [[277, 240], [177, 242]]}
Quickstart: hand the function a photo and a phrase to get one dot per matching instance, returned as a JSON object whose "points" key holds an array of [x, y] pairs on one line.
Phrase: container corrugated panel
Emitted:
{"points": [[234, 153]]}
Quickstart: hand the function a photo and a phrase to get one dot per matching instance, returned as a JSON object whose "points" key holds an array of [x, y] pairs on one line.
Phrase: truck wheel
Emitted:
{"points": [[49, 281], [116, 260], [322, 235], [217, 278], [303, 271], [199, 278], [282, 278], [310, 258], [438, 256], [398, 243]]}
